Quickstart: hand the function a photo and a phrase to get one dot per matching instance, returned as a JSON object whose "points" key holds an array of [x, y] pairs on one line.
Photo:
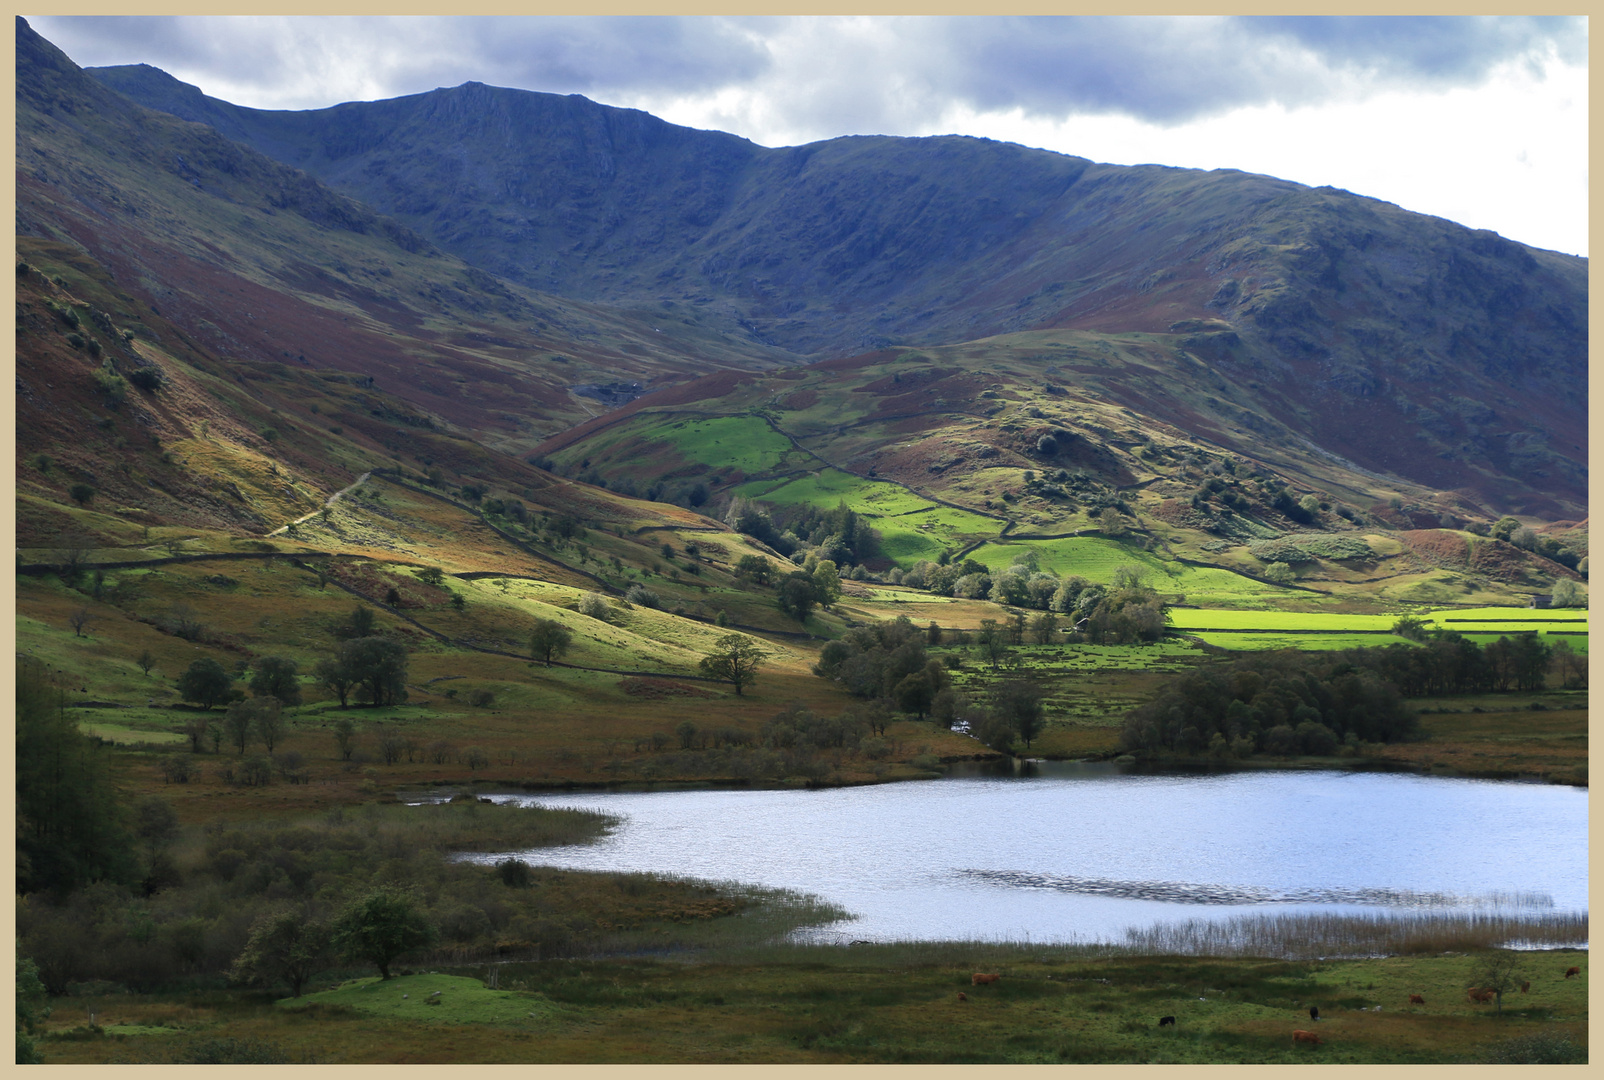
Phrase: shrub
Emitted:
{"points": [[482, 698], [641, 595], [595, 605], [514, 873]]}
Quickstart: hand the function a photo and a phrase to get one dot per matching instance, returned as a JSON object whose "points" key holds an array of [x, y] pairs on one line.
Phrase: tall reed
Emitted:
{"points": [[1306, 935]]}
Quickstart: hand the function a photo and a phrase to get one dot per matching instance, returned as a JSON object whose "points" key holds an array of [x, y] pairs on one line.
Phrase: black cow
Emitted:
{"points": [[1314, 1012], [1170, 1020]]}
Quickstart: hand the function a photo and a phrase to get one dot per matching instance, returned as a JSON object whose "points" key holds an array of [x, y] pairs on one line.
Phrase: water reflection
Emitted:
{"points": [[1066, 851]]}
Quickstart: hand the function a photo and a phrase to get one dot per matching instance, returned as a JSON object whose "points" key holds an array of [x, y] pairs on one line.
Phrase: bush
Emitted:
{"points": [[514, 873], [481, 698], [641, 595], [596, 606]]}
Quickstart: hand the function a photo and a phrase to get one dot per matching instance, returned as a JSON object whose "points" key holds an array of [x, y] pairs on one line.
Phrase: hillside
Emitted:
{"points": [[1406, 344], [262, 263]]}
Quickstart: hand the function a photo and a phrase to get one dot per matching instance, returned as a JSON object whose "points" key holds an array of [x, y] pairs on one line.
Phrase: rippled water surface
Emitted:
{"points": [[1081, 852]]}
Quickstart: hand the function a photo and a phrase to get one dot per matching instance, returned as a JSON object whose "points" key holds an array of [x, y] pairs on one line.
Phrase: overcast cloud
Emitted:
{"points": [[1144, 87]]}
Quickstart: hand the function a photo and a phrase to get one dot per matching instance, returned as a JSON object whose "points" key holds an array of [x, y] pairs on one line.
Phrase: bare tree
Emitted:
{"points": [[79, 620]]}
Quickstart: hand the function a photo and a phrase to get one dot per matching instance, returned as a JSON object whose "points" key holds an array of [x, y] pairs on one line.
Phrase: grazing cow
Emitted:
{"points": [[1525, 986], [962, 996], [980, 978], [1166, 1021], [1572, 971], [1305, 1036], [1481, 997], [1416, 999], [1314, 1012]]}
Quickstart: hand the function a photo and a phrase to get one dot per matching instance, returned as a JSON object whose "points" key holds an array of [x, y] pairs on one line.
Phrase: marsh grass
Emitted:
{"points": [[1305, 936]]}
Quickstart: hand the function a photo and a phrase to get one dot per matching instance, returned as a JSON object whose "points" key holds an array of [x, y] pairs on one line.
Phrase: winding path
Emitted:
{"points": [[330, 501]]}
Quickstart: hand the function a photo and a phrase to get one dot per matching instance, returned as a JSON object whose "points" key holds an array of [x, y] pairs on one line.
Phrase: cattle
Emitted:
{"points": [[980, 978], [1481, 996], [1525, 986], [1314, 1012], [1416, 999], [1572, 971], [962, 996], [1166, 1021], [1305, 1036]]}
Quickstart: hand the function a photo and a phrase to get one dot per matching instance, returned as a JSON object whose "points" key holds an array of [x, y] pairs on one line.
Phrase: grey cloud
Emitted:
{"points": [[822, 73], [1170, 70]]}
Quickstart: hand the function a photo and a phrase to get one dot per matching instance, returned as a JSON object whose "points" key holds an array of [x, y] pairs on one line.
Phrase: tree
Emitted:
{"points": [[240, 721], [334, 676], [343, 730], [431, 575], [32, 1009], [155, 824], [70, 826], [1411, 627], [735, 661], [914, 694], [284, 944], [1043, 627], [359, 625], [381, 926], [205, 683], [276, 677], [755, 567], [1498, 971], [1019, 702], [268, 721], [1568, 664], [82, 494], [826, 583], [146, 661], [378, 668], [80, 619], [1567, 594], [798, 595], [549, 640], [594, 605], [197, 728], [993, 640]]}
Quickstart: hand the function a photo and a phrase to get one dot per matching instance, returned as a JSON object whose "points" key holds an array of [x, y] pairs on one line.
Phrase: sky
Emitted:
{"points": [[1482, 120]]}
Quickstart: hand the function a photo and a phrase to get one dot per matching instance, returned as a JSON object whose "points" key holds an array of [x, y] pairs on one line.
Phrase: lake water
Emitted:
{"points": [[1081, 852]]}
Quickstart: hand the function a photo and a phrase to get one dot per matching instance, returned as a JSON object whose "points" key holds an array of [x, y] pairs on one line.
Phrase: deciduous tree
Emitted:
{"points": [[381, 926], [735, 661]]}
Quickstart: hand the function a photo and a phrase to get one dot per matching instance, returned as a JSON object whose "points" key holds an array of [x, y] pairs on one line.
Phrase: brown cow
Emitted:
{"points": [[962, 996], [981, 978], [1416, 999], [1525, 986], [1305, 1036], [1572, 971], [1481, 997]]}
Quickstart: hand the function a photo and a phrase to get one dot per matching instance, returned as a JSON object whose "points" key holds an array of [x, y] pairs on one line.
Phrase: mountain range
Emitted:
{"points": [[509, 264]]}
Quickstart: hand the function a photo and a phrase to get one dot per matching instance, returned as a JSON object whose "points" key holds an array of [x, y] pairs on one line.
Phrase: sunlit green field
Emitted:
{"points": [[744, 442]]}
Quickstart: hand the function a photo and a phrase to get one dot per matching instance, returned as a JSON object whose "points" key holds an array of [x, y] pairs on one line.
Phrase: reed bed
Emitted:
{"points": [[1311, 935]]}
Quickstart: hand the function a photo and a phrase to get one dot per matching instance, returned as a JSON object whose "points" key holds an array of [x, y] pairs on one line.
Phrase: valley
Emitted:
{"points": [[344, 502]]}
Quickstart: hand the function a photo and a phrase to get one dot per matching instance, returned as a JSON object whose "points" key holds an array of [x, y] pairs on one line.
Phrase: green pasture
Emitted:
{"points": [[1096, 558], [742, 442], [408, 997], [1253, 630], [1271, 641], [127, 736], [828, 487]]}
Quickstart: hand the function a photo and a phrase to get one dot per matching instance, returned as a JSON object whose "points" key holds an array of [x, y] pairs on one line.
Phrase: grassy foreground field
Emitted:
{"points": [[867, 1004]]}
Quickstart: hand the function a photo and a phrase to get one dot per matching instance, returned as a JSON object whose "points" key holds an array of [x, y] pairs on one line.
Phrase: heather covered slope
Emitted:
{"points": [[1405, 344], [260, 262]]}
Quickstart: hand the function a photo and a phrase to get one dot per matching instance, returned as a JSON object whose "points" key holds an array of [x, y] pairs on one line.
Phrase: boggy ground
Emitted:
{"points": [[868, 1004]]}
